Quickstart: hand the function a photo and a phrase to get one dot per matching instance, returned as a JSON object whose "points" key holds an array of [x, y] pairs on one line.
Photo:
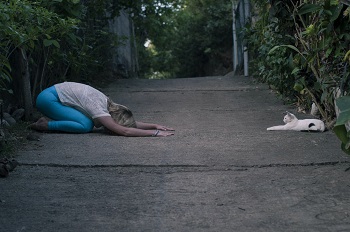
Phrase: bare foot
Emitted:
{"points": [[41, 125]]}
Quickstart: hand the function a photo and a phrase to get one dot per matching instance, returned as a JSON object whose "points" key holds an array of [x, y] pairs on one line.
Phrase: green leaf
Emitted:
{"points": [[56, 44], [31, 44], [309, 8], [343, 147], [341, 133], [328, 12], [334, 2], [296, 70], [72, 37], [6, 64], [47, 42], [279, 46], [208, 50], [343, 103], [298, 87], [347, 56], [309, 30], [343, 117], [336, 12], [328, 52]]}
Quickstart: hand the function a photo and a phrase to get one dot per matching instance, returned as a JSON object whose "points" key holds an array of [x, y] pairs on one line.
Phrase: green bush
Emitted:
{"points": [[274, 68], [303, 51], [44, 42], [307, 43]]}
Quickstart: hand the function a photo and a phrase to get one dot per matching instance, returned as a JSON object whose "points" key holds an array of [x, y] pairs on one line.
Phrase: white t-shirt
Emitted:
{"points": [[84, 98]]}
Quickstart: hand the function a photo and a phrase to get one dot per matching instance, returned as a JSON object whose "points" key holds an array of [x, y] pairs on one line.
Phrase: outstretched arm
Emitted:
{"points": [[150, 126], [110, 124]]}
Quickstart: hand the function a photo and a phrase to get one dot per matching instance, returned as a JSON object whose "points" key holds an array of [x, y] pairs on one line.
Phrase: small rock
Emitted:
{"points": [[4, 123], [11, 121], [18, 114]]}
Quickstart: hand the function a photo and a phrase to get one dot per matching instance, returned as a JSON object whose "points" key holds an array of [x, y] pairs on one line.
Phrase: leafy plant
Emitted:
{"points": [[271, 66], [25, 26], [342, 126], [320, 39], [319, 53], [43, 42]]}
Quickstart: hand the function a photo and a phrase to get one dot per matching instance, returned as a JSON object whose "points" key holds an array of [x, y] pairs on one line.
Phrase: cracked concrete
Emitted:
{"points": [[222, 171]]}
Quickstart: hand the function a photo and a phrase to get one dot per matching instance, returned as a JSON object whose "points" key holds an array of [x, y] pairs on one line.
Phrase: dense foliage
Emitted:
{"points": [[302, 51], [188, 38], [43, 42]]}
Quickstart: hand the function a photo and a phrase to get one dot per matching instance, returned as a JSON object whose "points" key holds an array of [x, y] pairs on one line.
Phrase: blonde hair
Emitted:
{"points": [[121, 114]]}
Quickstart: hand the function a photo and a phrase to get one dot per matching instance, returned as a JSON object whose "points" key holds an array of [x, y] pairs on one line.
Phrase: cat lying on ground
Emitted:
{"points": [[292, 123]]}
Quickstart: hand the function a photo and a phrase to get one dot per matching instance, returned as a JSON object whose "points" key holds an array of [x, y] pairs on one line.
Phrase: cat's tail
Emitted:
{"points": [[320, 127]]}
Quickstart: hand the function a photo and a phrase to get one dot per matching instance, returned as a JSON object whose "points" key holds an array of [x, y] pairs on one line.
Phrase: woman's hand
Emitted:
{"points": [[164, 128], [163, 133], [143, 130]]}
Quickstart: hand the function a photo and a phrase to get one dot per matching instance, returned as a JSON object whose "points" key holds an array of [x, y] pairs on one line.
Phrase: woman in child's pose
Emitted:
{"points": [[78, 108]]}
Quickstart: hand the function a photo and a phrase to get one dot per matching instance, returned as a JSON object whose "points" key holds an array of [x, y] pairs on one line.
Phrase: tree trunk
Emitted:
{"points": [[24, 83]]}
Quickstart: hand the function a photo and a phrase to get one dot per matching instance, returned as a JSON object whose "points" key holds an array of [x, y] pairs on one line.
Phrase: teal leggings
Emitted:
{"points": [[64, 118]]}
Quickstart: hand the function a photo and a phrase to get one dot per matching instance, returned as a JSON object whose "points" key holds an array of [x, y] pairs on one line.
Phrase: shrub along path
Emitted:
{"points": [[222, 171]]}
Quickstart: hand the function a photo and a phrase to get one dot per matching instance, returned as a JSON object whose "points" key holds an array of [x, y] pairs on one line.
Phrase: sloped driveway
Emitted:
{"points": [[222, 171]]}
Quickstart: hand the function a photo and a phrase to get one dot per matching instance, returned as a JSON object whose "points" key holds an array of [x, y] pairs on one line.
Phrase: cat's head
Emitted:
{"points": [[289, 117]]}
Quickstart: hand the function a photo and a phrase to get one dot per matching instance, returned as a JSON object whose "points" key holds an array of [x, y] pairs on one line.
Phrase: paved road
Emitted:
{"points": [[222, 171]]}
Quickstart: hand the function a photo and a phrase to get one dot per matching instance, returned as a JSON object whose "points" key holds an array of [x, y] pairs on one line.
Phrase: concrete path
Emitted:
{"points": [[222, 171]]}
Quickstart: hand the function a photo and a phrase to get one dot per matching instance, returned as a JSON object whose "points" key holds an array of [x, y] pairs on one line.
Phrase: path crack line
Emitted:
{"points": [[197, 90], [224, 167]]}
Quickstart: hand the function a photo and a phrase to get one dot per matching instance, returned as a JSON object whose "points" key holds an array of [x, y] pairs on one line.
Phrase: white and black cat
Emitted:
{"points": [[292, 123]]}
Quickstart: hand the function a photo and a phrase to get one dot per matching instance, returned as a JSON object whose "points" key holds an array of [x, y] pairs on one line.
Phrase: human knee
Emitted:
{"points": [[87, 126]]}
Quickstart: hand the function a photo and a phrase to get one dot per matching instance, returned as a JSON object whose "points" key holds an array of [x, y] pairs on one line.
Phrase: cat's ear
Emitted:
{"points": [[290, 114], [293, 116]]}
